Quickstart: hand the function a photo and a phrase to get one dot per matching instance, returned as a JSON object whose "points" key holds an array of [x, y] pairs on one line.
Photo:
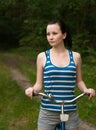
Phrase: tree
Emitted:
{"points": [[12, 15], [26, 21]]}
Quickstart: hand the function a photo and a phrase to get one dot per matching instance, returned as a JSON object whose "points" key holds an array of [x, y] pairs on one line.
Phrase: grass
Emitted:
{"points": [[87, 107], [17, 112]]}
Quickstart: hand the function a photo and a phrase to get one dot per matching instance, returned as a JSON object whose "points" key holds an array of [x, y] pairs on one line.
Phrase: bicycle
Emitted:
{"points": [[63, 117]]}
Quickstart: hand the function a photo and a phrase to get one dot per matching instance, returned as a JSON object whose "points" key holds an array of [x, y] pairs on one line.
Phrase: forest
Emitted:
{"points": [[23, 23]]}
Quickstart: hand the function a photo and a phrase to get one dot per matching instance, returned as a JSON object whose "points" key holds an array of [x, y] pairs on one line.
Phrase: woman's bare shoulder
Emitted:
{"points": [[76, 54], [77, 57], [41, 58], [41, 55]]}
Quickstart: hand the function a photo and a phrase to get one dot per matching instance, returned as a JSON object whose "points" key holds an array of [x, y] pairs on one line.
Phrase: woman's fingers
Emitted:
{"points": [[29, 92]]}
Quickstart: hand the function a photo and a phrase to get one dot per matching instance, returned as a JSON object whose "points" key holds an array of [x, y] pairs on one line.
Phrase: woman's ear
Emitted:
{"points": [[64, 35]]}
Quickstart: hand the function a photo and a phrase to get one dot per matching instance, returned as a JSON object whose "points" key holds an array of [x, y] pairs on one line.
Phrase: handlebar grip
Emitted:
{"points": [[33, 94]]}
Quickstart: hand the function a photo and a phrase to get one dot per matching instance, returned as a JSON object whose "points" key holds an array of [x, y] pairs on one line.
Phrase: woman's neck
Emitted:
{"points": [[58, 49]]}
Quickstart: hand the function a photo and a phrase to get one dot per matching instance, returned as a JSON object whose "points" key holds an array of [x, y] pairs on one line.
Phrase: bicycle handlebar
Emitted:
{"points": [[50, 97]]}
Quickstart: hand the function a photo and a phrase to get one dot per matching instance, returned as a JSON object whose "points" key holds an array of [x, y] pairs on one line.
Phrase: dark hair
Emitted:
{"points": [[64, 28]]}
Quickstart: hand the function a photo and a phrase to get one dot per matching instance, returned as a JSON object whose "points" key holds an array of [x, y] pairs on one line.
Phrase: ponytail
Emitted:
{"points": [[68, 39]]}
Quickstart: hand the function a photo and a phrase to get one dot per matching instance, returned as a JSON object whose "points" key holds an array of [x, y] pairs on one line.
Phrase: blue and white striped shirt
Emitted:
{"points": [[60, 82]]}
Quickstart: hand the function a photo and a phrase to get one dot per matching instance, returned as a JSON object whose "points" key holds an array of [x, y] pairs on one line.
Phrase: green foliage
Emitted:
{"points": [[12, 14], [23, 23], [83, 44], [76, 13]]}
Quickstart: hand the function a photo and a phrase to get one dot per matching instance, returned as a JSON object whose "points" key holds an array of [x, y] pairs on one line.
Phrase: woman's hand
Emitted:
{"points": [[91, 92], [29, 92]]}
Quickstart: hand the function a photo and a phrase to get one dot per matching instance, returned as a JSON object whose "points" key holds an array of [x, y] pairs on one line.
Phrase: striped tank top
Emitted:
{"points": [[60, 82]]}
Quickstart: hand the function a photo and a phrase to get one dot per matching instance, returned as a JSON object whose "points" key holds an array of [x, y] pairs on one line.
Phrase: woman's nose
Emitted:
{"points": [[51, 36]]}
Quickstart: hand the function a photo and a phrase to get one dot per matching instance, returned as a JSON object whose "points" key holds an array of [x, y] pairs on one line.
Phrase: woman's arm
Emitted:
{"points": [[80, 83], [39, 76]]}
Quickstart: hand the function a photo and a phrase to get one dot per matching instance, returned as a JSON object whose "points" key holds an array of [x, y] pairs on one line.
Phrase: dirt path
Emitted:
{"points": [[24, 82]]}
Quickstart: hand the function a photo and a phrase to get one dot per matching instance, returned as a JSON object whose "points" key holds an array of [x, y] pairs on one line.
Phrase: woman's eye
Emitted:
{"points": [[54, 33], [47, 34]]}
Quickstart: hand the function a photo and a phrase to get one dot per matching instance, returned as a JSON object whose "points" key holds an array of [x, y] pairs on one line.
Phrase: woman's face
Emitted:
{"points": [[54, 35]]}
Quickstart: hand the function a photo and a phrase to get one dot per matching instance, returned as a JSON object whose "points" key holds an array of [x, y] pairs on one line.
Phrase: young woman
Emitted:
{"points": [[59, 71]]}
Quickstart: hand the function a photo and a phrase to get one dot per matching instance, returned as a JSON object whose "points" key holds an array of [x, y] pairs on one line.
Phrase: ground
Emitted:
{"points": [[24, 82]]}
